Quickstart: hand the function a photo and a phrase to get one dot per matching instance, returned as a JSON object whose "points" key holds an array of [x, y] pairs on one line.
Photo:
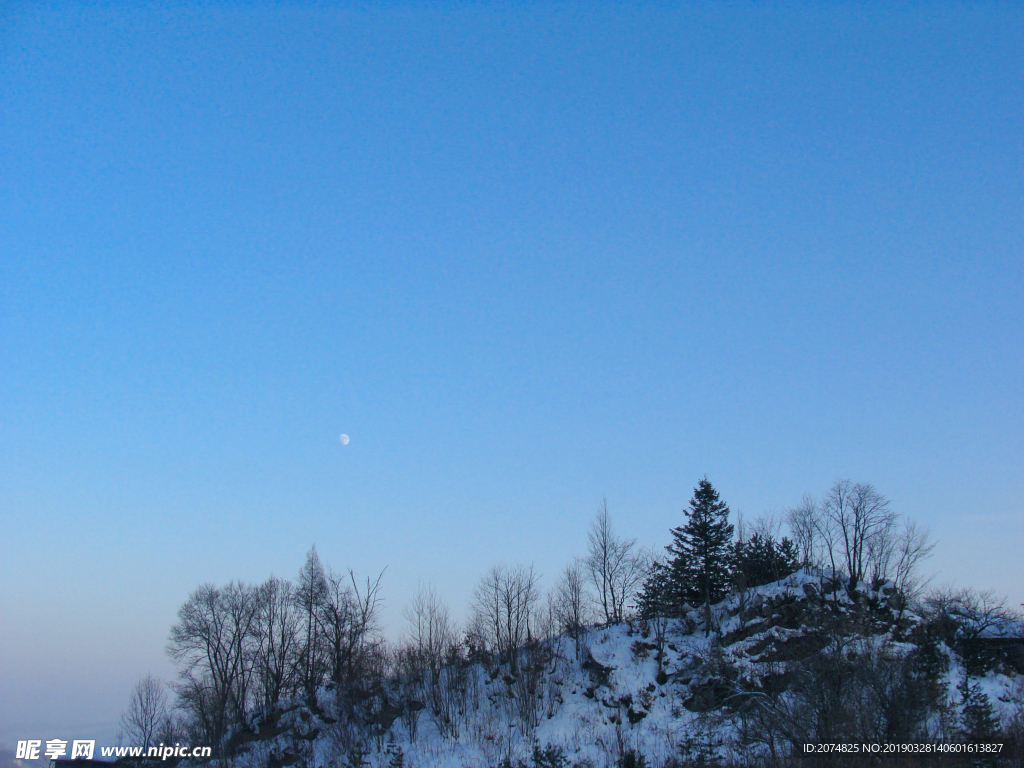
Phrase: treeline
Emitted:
{"points": [[252, 656], [853, 534], [242, 649]]}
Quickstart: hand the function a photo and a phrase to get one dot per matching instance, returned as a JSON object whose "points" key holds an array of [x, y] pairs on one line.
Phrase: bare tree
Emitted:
{"points": [[242, 647], [337, 617], [803, 521], [278, 628], [407, 675], [147, 713], [857, 528], [964, 617], [349, 620], [214, 643], [913, 546], [430, 631], [431, 658], [768, 526], [368, 603], [841, 693], [740, 582], [974, 612], [503, 605], [570, 603], [614, 566]]}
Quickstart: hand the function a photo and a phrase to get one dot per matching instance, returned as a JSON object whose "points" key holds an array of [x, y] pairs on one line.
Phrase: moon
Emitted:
{"points": [[344, 439]]}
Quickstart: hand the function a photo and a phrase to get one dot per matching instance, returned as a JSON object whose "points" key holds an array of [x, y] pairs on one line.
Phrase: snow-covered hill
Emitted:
{"points": [[662, 693]]}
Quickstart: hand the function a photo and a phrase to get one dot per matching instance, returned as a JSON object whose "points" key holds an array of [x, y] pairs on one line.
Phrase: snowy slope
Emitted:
{"points": [[600, 700]]}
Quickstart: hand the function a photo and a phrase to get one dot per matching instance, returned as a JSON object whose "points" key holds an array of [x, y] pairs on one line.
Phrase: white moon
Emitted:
{"points": [[344, 439]]}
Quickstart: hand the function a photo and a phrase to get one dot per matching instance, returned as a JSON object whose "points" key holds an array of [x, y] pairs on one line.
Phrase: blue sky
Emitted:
{"points": [[525, 257]]}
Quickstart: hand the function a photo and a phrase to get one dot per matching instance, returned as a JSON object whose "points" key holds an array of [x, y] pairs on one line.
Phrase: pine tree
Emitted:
{"points": [[978, 719], [928, 662], [655, 597], [761, 560], [699, 569]]}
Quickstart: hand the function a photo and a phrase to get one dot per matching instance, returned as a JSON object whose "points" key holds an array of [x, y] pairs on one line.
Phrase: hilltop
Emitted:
{"points": [[791, 662]]}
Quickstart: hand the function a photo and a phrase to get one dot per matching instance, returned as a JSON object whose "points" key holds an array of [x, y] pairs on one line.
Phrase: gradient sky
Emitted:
{"points": [[524, 257]]}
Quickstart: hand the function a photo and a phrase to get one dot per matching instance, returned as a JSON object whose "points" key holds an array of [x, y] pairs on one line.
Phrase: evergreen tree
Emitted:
{"points": [[978, 721], [928, 662], [699, 569], [761, 560], [655, 598]]}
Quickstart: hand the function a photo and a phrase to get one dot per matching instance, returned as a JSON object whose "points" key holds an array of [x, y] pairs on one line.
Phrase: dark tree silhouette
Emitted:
{"points": [[699, 568]]}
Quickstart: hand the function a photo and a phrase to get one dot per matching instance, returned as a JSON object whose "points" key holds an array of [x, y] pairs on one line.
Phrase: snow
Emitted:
{"points": [[595, 713]]}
